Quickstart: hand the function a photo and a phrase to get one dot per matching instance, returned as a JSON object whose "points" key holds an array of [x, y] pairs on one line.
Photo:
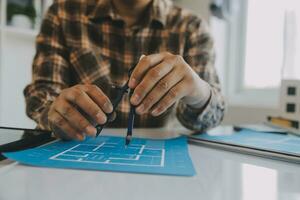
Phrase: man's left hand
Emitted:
{"points": [[159, 80]]}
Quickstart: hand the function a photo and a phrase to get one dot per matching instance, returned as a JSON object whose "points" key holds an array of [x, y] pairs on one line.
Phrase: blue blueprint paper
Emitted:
{"points": [[282, 143], [109, 153]]}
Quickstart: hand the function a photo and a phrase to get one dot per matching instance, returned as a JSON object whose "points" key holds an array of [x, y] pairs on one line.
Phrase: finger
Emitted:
{"points": [[174, 94], [62, 128], [160, 89], [79, 97], [150, 80], [143, 66], [73, 116], [112, 117], [100, 98]]}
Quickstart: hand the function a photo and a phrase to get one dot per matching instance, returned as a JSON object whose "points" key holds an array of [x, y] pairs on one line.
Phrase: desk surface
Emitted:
{"points": [[220, 175]]}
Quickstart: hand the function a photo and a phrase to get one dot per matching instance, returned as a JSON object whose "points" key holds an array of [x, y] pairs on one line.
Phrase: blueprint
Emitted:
{"points": [[108, 153]]}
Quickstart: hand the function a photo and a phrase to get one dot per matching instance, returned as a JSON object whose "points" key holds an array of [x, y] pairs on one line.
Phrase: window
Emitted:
{"points": [[291, 91], [262, 48], [290, 108], [264, 52]]}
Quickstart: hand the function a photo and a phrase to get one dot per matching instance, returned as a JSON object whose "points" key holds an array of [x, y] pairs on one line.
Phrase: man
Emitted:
{"points": [[86, 47]]}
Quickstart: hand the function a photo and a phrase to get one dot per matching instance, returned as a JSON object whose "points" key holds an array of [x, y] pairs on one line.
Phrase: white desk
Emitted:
{"points": [[220, 175]]}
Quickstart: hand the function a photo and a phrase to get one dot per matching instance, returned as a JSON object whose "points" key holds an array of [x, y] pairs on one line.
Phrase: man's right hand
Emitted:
{"points": [[65, 114]]}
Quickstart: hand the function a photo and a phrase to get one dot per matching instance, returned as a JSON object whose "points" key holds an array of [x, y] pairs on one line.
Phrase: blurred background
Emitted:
{"points": [[256, 45]]}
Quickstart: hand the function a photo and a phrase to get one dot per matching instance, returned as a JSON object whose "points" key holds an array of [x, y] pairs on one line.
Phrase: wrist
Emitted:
{"points": [[200, 96]]}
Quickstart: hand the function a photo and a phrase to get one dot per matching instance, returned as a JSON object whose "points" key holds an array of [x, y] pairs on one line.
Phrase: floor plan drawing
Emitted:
{"points": [[109, 153]]}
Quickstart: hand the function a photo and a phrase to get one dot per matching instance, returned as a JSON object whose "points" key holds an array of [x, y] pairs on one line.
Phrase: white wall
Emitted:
{"points": [[17, 55]]}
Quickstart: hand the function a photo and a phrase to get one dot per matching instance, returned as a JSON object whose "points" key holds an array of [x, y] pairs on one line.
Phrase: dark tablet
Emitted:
{"points": [[16, 139]]}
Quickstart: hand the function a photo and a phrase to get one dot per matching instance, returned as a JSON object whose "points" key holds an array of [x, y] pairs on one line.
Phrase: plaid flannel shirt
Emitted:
{"points": [[87, 42]]}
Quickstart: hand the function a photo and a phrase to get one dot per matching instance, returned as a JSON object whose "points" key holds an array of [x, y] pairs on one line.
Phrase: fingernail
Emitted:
{"points": [[140, 109], [135, 99], [90, 130], [80, 137], [108, 107], [101, 118], [155, 112], [132, 83], [142, 56]]}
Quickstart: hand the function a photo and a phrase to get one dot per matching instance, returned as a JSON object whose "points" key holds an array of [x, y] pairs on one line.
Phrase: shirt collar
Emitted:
{"points": [[158, 12]]}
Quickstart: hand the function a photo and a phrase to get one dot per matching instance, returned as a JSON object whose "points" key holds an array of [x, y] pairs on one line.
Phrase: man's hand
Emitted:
{"points": [[159, 80], [66, 117]]}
